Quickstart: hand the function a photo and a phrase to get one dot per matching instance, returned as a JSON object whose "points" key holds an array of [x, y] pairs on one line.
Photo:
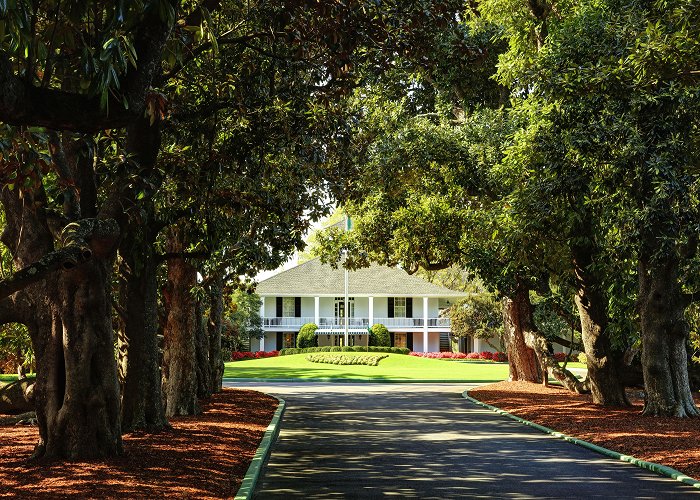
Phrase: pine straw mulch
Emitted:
{"points": [[205, 456], [674, 442]]}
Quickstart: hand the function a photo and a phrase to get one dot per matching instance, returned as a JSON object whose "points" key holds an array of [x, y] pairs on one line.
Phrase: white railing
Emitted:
{"points": [[340, 322], [286, 322], [413, 322]]}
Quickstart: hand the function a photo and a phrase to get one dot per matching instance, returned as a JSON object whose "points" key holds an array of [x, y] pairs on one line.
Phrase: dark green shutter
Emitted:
{"points": [[390, 307], [279, 307], [280, 340], [297, 307], [409, 341], [391, 336], [409, 307]]}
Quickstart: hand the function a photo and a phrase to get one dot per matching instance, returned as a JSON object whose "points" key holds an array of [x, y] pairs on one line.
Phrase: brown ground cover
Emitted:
{"points": [[674, 442], [205, 456]]}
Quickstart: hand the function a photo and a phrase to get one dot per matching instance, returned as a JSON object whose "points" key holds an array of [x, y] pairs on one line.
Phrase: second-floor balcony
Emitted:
{"points": [[336, 322]]}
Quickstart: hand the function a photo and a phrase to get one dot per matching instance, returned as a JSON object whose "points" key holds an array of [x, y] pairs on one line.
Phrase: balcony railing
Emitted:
{"points": [[339, 322], [333, 322], [286, 322]]}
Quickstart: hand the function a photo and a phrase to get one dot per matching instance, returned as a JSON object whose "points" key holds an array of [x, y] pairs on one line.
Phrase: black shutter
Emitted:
{"points": [[391, 336], [280, 340], [297, 307], [409, 307], [409, 341], [390, 307], [279, 307]]}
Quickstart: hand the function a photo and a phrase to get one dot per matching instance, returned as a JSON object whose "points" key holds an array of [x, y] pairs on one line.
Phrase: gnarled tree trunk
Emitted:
{"points": [[179, 350], [215, 328], [602, 360], [142, 399], [202, 348], [517, 318], [664, 337]]}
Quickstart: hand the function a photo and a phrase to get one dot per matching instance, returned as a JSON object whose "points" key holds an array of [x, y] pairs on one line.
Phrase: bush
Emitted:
{"points": [[379, 336], [500, 357], [582, 358], [308, 350], [560, 357], [485, 355], [307, 336], [473, 355], [342, 359]]}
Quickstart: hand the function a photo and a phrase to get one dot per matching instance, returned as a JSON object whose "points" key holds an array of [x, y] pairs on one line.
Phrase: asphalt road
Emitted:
{"points": [[426, 441]]}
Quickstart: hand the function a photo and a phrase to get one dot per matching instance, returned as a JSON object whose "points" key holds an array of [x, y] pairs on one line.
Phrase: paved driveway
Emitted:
{"points": [[426, 441]]}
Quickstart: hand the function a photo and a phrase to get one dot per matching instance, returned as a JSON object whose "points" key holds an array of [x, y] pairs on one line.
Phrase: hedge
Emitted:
{"points": [[357, 348]]}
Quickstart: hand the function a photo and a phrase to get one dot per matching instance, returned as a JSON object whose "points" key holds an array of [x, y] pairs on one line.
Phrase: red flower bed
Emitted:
{"points": [[494, 356], [237, 356]]}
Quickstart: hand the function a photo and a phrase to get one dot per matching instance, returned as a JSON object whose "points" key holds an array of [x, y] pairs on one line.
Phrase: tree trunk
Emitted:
{"points": [[179, 352], [142, 397], [215, 327], [664, 337], [69, 319], [77, 393], [517, 318], [202, 348], [604, 363]]}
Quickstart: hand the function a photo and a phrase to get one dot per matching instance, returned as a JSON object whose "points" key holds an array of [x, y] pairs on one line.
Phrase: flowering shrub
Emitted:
{"points": [[485, 355], [560, 357], [439, 355], [344, 359], [499, 356], [473, 355], [237, 356]]}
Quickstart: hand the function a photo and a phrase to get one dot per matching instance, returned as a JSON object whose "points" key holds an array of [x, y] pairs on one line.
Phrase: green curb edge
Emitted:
{"points": [[355, 380], [262, 454], [654, 467]]}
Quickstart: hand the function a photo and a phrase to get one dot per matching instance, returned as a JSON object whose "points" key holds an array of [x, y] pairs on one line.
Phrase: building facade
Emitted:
{"points": [[410, 307]]}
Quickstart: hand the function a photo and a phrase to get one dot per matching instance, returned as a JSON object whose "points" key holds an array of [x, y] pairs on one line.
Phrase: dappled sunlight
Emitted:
{"points": [[399, 440]]}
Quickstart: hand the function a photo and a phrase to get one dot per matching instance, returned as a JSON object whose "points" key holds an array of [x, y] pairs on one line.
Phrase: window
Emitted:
{"points": [[289, 340], [399, 307], [340, 307], [400, 340], [288, 310]]}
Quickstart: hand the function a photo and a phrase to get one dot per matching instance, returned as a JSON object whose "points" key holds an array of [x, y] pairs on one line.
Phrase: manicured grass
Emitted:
{"points": [[395, 367]]}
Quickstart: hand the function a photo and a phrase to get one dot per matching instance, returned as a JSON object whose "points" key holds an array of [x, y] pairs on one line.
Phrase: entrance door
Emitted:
{"points": [[340, 310]]}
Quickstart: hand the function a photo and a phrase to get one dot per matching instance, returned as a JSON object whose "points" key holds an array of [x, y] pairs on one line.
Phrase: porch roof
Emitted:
{"points": [[314, 278]]}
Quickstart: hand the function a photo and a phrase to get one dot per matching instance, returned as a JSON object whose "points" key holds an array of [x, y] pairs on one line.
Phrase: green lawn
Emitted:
{"points": [[395, 367]]}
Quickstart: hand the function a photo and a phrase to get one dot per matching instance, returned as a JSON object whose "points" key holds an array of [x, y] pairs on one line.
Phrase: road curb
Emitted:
{"points": [[365, 380], [262, 454], [654, 467]]}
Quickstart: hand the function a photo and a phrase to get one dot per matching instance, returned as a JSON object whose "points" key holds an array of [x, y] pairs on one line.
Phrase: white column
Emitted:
{"points": [[262, 315], [317, 310], [371, 311], [425, 324]]}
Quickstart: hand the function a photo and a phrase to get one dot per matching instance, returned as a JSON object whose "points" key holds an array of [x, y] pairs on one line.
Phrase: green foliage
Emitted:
{"points": [[307, 336], [15, 348], [242, 322], [342, 359], [379, 336], [479, 315]]}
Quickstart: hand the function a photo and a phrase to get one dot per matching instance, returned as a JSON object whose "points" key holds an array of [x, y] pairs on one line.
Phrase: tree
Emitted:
{"points": [[479, 316], [379, 336], [307, 336]]}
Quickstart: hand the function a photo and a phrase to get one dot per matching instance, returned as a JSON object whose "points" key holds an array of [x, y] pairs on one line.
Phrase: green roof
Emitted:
{"points": [[313, 278]]}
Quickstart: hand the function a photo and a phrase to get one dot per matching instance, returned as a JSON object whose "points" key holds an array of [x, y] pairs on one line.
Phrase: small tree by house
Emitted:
{"points": [[307, 336], [379, 336]]}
